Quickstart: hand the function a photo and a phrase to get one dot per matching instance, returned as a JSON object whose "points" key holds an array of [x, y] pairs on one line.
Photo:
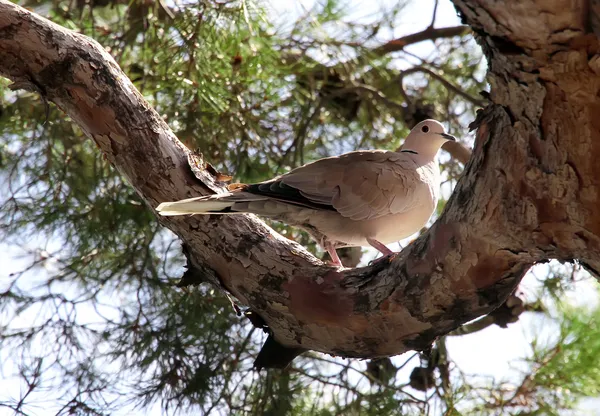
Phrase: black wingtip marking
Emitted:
{"points": [[285, 193], [225, 211]]}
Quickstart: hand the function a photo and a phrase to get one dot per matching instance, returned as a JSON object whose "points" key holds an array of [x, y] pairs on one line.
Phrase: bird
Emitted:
{"points": [[360, 198]]}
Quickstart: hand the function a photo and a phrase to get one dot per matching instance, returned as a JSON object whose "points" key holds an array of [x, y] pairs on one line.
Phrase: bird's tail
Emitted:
{"points": [[213, 204]]}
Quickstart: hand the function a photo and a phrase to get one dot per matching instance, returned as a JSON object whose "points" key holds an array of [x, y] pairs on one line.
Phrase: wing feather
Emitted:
{"points": [[359, 185]]}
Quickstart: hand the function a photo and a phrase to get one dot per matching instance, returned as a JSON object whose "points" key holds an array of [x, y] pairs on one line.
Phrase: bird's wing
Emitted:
{"points": [[359, 185]]}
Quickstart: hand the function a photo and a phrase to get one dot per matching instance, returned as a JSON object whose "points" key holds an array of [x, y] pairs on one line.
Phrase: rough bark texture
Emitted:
{"points": [[528, 194]]}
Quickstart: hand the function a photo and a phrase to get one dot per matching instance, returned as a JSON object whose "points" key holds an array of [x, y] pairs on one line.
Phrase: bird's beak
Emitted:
{"points": [[448, 137]]}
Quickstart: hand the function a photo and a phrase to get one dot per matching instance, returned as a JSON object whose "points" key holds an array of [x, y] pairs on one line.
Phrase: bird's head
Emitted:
{"points": [[427, 137]]}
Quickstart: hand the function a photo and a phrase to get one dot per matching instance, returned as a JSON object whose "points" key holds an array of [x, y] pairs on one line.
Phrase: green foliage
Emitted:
{"points": [[92, 321], [570, 368]]}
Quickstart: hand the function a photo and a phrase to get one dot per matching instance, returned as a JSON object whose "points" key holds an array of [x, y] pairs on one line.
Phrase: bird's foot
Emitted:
{"points": [[386, 257], [334, 264]]}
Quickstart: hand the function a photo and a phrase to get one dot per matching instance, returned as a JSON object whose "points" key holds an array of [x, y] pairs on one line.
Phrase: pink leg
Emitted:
{"points": [[333, 254], [387, 253], [380, 246]]}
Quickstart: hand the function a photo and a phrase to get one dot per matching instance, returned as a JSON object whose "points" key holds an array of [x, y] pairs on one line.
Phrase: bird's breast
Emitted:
{"points": [[393, 228], [385, 229]]}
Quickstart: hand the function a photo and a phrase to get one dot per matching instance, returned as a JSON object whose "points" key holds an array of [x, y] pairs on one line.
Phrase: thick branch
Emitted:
{"points": [[531, 181], [458, 151]]}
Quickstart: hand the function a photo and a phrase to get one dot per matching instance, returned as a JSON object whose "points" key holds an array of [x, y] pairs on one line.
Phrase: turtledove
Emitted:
{"points": [[366, 197]]}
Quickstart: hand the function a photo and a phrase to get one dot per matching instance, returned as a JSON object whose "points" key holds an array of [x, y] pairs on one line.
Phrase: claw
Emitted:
{"points": [[388, 257]]}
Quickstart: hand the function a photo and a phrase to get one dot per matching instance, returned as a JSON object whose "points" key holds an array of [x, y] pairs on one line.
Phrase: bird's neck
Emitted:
{"points": [[421, 156]]}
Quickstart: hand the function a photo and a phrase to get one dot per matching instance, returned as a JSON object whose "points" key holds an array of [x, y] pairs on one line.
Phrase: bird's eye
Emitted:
{"points": [[425, 129]]}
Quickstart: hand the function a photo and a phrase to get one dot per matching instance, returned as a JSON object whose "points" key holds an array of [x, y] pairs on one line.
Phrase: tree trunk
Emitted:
{"points": [[528, 194]]}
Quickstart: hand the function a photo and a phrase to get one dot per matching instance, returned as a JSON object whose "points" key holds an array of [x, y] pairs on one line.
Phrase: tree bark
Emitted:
{"points": [[528, 194]]}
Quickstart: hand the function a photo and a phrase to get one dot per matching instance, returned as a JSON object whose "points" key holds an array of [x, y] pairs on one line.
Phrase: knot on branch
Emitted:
{"points": [[508, 312], [194, 274], [205, 173]]}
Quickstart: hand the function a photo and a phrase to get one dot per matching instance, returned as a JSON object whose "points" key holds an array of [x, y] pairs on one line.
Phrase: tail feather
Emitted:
{"points": [[214, 204]]}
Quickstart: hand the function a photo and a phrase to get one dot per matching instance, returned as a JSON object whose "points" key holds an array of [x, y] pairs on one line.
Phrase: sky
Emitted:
{"points": [[493, 352]]}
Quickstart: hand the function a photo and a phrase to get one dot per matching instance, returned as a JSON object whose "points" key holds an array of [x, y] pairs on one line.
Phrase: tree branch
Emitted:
{"points": [[430, 33], [450, 86], [528, 193], [458, 151], [398, 44]]}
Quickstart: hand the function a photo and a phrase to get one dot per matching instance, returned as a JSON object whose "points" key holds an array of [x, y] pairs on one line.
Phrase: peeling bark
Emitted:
{"points": [[528, 194]]}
